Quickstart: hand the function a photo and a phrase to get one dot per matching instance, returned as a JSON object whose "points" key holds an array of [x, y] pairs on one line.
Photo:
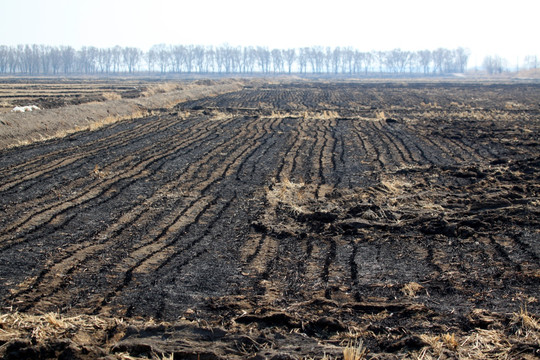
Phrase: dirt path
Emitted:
{"points": [[289, 219]]}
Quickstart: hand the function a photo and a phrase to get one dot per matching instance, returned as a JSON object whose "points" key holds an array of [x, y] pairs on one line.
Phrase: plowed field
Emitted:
{"points": [[287, 220]]}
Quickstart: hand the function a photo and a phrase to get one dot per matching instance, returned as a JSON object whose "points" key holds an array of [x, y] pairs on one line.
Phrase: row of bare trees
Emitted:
{"points": [[225, 59], [42, 59], [494, 64]]}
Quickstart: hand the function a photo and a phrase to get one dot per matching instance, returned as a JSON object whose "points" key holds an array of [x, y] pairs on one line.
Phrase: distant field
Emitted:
{"points": [[287, 219], [70, 105], [50, 92]]}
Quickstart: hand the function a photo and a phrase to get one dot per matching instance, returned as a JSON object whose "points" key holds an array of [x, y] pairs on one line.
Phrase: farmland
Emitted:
{"points": [[49, 93], [287, 218]]}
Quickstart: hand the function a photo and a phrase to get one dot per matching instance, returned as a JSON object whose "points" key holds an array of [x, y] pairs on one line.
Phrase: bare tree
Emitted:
{"points": [[56, 59], [277, 60], [312, 59], [348, 58], [132, 57], [438, 57], [449, 62], [424, 58], [462, 58], [247, 59], [226, 60], [369, 58], [235, 56], [178, 57], [30, 59], [209, 60], [163, 56], [531, 62], [13, 60], [4, 58], [336, 60], [396, 60], [87, 59], [303, 55], [493, 64], [390, 60], [151, 58], [68, 58], [105, 60], [290, 56], [25, 57], [189, 58], [81, 60], [263, 58], [328, 60], [358, 61], [317, 56], [45, 58], [414, 62], [199, 58], [220, 57], [116, 57]]}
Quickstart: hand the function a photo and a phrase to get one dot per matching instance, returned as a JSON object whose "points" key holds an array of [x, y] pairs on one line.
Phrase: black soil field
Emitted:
{"points": [[291, 220]]}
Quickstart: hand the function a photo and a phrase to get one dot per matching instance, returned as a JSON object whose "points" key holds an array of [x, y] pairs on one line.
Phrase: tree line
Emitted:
{"points": [[225, 59]]}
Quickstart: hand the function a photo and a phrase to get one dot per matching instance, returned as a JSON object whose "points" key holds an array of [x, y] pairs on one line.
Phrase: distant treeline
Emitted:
{"points": [[66, 60]]}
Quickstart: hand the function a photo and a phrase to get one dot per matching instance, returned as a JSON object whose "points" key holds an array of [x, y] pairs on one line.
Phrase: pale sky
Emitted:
{"points": [[506, 28]]}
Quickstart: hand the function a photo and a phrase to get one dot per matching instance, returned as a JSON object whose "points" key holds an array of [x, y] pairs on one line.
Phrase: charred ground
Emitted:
{"points": [[287, 219]]}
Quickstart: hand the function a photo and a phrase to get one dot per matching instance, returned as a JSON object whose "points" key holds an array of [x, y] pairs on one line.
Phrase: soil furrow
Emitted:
{"points": [[46, 214], [49, 200], [66, 156]]}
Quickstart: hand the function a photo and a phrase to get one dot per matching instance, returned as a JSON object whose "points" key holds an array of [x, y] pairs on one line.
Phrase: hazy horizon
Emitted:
{"points": [[484, 27]]}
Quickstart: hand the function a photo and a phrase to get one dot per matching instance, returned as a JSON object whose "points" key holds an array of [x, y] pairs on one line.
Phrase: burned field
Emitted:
{"points": [[288, 219]]}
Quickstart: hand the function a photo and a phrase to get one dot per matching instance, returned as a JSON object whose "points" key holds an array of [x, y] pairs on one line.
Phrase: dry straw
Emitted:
{"points": [[49, 326], [355, 351]]}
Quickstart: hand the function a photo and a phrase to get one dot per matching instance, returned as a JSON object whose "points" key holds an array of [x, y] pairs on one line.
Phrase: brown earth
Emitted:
{"points": [[291, 220]]}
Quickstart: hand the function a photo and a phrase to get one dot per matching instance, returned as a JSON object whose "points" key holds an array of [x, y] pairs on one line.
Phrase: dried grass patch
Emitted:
{"points": [[355, 351], [499, 341], [395, 185], [161, 88], [291, 194], [526, 325], [113, 119], [380, 115], [320, 115], [411, 289], [84, 332], [46, 327], [217, 115], [111, 95]]}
